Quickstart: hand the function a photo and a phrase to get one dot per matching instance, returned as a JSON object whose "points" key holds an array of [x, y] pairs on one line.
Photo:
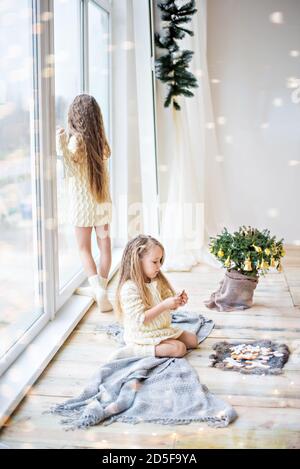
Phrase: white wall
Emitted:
{"points": [[250, 56]]}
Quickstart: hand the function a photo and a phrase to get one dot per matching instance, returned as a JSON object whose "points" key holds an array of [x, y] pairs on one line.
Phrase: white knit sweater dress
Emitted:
{"points": [[144, 337], [83, 209]]}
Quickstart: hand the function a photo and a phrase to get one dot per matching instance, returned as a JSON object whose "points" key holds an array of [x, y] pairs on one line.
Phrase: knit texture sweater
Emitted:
{"points": [[135, 331], [84, 210]]}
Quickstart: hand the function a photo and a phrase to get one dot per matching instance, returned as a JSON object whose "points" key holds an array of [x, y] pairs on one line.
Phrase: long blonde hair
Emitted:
{"points": [[131, 269], [85, 122]]}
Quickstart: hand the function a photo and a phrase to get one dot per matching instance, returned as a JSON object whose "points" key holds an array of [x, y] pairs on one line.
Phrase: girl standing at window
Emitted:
{"points": [[85, 153]]}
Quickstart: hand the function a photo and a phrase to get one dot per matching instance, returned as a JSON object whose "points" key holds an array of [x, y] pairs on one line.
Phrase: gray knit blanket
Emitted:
{"points": [[185, 320], [148, 389]]}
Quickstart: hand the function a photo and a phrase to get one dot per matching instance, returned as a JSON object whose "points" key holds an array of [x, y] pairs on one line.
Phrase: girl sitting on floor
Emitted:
{"points": [[144, 301]]}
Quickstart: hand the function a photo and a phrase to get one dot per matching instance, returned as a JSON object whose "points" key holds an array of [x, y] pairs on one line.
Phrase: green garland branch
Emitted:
{"points": [[172, 67]]}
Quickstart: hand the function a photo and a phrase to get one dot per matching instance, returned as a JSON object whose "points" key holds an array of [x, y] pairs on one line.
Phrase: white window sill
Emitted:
{"points": [[26, 369]]}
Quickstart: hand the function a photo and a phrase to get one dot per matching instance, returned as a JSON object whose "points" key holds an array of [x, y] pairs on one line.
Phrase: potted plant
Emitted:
{"points": [[246, 254]]}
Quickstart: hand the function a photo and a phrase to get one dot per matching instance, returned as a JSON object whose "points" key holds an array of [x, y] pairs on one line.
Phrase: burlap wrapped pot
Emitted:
{"points": [[234, 293]]}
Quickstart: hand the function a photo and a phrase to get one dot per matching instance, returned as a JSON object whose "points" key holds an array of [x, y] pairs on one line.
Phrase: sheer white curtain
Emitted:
{"points": [[127, 190], [190, 165]]}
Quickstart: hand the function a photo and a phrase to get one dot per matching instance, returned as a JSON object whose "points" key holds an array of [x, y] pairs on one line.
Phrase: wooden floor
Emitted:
{"points": [[268, 406]]}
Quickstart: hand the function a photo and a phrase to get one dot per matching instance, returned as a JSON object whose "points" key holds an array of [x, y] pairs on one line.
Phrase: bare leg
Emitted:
{"points": [[170, 348], [83, 238], [189, 339], [104, 245]]}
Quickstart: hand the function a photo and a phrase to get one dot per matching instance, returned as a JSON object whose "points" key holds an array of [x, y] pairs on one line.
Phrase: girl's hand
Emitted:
{"points": [[173, 302], [184, 298]]}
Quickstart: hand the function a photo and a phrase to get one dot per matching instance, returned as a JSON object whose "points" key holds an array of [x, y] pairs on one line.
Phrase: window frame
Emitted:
{"points": [[43, 149], [147, 114], [62, 295], [40, 145]]}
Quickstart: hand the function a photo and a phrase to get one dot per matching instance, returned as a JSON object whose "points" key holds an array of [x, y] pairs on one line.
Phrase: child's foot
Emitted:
{"points": [[100, 294]]}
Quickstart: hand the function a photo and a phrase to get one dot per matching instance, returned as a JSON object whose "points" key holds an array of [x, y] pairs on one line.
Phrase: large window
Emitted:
{"points": [[99, 63], [42, 50], [67, 86], [19, 279], [81, 65]]}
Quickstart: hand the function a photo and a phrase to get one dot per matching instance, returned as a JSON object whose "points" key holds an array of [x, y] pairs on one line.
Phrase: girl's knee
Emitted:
{"points": [[189, 339], [194, 342], [84, 248], [180, 349], [103, 234]]}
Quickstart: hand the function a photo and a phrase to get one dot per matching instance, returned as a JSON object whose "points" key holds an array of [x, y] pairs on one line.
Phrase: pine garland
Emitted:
{"points": [[248, 250], [172, 68]]}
